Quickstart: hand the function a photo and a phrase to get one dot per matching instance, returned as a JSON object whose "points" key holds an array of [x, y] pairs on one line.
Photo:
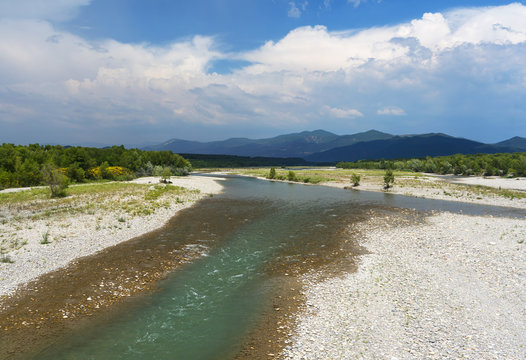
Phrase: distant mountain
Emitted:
{"points": [[407, 146], [291, 145], [324, 146], [515, 142]]}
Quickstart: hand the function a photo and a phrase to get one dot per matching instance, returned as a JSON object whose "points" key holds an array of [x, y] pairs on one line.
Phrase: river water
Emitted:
{"points": [[205, 310]]}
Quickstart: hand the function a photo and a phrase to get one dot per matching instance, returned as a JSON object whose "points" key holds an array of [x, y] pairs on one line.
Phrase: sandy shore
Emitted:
{"points": [[452, 287], [82, 225]]}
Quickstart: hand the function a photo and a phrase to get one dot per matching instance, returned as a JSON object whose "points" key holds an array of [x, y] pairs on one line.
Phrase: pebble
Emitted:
{"points": [[83, 233], [432, 290]]}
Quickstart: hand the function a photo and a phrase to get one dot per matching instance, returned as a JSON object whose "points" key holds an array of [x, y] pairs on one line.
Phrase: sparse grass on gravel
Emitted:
{"points": [[18, 209], [405, 181]]}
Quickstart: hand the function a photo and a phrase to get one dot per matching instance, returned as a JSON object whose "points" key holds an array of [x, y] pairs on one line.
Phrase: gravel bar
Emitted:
{"points": [[453, 287]]}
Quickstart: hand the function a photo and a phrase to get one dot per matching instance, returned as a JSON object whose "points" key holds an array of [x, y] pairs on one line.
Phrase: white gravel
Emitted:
{"points": [[84, 233], [493, 181], [453, 288], [447, 188]]}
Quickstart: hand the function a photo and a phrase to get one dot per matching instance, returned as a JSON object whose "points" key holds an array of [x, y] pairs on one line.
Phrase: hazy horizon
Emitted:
{"points": [[143, 72]]}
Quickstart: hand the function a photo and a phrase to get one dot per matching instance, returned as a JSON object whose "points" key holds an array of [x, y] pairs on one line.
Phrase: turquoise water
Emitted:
{"points": [[204, 310]]}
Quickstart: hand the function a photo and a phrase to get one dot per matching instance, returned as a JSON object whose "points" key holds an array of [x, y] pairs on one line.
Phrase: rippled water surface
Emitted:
{"points": [[204, 310]]}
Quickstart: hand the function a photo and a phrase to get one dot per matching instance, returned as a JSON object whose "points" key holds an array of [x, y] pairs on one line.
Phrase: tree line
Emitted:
{"points": [[505, 164], [23, 165]]}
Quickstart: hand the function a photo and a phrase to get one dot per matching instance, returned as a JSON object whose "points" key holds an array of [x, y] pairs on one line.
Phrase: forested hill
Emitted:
{"points": [[324, 146], [22, 165], [408, 146], [297, 145], [515, 142]]}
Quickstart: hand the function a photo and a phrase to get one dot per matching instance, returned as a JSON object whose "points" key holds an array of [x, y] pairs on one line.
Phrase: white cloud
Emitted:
{"points": [[391, 110], [432, 67], [342, 113], [294, 12], [317, 49], [357, 3]]}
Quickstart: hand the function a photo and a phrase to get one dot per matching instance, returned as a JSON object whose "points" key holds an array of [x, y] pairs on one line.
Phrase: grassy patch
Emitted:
{"points": [[320, 175], [135, 199], [45, 238], [6, 259], [161, 190]]}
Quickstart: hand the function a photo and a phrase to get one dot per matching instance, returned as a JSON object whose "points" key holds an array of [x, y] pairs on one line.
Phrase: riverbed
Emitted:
{"points": [[207, 277]]}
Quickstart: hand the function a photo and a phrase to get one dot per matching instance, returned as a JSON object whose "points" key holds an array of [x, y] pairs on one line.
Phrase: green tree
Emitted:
{"points": [[166, 174], [355, 179], [104, 173], [388, 179], [57, 182], [76, 173], [272, 173], [158, 170]]}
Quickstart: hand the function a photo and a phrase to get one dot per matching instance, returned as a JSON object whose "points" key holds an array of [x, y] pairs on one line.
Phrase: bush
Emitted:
{"points": [[272, 173], [388, 179], [157, 170], [291, 176], [57, 182], [75, 173], [166, 173], [181, 171], [355, 179]]}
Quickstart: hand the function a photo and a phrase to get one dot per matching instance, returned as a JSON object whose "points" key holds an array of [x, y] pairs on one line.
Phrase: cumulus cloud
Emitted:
{"points": [[462, 63], [317, 49], [342, 113], [391, 110]]}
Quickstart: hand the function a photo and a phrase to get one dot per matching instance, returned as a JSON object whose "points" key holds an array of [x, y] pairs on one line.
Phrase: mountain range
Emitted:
{"points": [[324, 146]]}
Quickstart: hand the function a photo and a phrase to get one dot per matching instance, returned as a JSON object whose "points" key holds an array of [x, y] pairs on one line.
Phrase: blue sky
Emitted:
{"points": [[144, 71]]}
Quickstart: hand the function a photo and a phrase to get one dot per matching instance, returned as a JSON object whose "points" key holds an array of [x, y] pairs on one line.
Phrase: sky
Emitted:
{"points": [[100, 72]]}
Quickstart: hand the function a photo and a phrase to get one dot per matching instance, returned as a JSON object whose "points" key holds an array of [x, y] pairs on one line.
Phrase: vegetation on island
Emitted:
{"points": [[388, 179], [55, 165], [355, 179], [506, 164]]}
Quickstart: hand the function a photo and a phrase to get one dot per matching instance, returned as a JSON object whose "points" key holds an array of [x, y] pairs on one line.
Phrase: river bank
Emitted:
{"points": [[40, 235], [452, 287], [449, 287], [406, 244], [493, 191]]}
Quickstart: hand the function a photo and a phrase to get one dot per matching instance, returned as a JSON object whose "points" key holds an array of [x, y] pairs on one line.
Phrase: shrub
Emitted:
{"points": [[104, 173], [57, 182], [291, 176], [388, 179], [94, 173], [157, 170], [166, 173], [272, 173], [181, 171], [355, 179], [75, 173]]}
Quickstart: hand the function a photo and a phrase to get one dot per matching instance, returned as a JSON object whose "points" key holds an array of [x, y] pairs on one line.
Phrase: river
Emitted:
{"points": [[205, 309]]}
